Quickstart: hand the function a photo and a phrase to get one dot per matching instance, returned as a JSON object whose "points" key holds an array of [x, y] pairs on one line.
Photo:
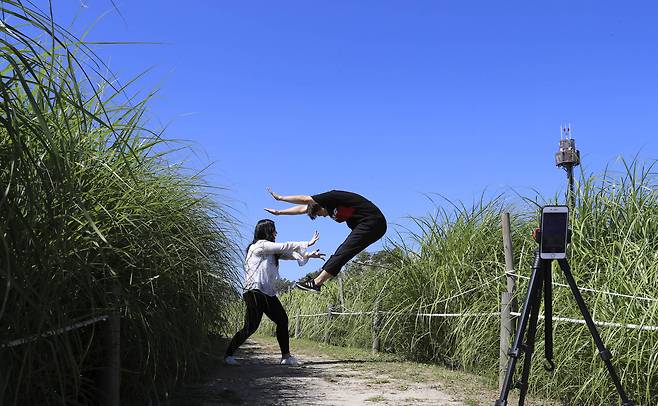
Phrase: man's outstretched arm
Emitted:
{"points": [[301, 209], [296, 199]]}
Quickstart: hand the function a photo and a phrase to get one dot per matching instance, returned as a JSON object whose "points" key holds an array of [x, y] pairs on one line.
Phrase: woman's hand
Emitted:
{"points": [[275, 195], [315, 254], [314, 239], [272, 211]]}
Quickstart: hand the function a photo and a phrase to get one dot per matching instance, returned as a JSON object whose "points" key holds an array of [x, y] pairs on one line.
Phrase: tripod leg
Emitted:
{"points": [[532, 332], [548, 317], [606, 356], [515, 350]]}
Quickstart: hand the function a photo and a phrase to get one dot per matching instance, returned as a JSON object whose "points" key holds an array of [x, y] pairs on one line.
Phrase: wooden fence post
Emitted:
{"points": [[507, 300], [327, 331], [375, 329], [111, 375], [297, 323], [341, 292]]}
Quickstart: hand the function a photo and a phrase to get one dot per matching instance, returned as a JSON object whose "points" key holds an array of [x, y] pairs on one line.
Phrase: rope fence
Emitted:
{"points": [[109, 374], [598, 323], [54, 332], [515, 314], [376, 321], [609, 293]]}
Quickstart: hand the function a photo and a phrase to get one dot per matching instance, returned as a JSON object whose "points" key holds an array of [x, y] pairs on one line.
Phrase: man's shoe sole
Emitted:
{"points": [[299, 286]]}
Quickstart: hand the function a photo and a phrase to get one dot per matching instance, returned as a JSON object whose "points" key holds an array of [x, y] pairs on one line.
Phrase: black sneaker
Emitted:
{"points": [[308, 285]]}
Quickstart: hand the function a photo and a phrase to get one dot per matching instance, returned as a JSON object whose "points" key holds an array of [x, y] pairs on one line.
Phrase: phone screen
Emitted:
{"points": [[554, 233]]}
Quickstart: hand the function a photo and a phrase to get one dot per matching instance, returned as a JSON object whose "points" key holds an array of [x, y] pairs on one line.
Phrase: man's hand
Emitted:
{"points": [[314, 239], [272, 211], [275, 195], [315, 254]]}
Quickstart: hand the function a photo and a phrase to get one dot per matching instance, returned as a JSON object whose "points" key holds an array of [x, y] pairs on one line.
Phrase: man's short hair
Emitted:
{"points": [[312, 209]]}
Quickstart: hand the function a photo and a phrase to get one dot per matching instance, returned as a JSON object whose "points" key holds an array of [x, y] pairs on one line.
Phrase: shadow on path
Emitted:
{"points": [[339, 362]]}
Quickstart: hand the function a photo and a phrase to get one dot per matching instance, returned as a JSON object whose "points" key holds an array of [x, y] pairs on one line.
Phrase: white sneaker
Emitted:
{"points": [[289, 361], [230, 360]]}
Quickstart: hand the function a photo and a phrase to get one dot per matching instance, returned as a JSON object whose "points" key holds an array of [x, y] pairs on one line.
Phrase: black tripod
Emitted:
{"points": [[541, 277]]}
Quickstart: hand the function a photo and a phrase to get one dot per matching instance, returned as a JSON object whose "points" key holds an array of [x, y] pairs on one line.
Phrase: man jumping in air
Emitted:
{"points": [[366, 221]]}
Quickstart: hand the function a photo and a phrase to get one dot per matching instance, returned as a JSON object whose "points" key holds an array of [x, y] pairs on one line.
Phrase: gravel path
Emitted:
{"points": [[323, 380]]}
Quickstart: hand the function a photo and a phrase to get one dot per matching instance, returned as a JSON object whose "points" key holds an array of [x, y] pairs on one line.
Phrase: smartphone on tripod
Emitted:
{"points": [[554, 232]]}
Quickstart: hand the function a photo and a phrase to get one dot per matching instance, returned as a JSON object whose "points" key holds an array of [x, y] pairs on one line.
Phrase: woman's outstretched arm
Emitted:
{"points": [[283, 248], [302, 258]]}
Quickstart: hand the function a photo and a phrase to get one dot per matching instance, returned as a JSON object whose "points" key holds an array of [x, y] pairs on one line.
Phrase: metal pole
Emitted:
{"points": [[571, 195]]}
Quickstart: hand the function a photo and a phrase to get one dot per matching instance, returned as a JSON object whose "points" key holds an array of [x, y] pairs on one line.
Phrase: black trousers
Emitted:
{"points": [[359, 239], [258, 303]]}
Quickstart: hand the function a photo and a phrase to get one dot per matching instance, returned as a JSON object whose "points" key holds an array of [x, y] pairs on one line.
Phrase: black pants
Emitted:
{"points": [[359, 239], [257, 304]]}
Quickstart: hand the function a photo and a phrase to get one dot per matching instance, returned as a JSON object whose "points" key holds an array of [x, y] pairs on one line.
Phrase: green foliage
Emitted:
{"points": [[94, 220], [283, 285]]}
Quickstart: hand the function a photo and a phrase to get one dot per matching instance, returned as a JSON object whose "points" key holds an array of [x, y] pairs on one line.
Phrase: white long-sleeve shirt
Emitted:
{"points": [[261, 270]]}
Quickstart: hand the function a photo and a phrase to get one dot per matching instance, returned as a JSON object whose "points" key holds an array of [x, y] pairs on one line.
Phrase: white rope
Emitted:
{"points": [[457, 314], [58, 331], [649, 299], [599, 323], [408, 314], [351, 313], [556, 318]]}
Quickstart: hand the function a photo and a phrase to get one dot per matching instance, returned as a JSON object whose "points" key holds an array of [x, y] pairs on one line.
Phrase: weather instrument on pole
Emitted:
{"points": [[568, 157]]}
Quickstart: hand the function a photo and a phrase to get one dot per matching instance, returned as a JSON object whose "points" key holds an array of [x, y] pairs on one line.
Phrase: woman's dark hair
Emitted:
{"points": [[312, 209], [265, 230]]}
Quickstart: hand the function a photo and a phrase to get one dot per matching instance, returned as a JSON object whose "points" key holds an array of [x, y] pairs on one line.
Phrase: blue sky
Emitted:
{"points": [[390, 99]]}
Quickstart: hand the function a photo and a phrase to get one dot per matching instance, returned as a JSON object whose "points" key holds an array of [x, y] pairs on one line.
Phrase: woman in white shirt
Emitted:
{"points": [[261, 272]]}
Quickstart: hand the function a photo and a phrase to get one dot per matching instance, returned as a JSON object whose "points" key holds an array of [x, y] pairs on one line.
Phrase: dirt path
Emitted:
{"points": [[326, 380]]}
